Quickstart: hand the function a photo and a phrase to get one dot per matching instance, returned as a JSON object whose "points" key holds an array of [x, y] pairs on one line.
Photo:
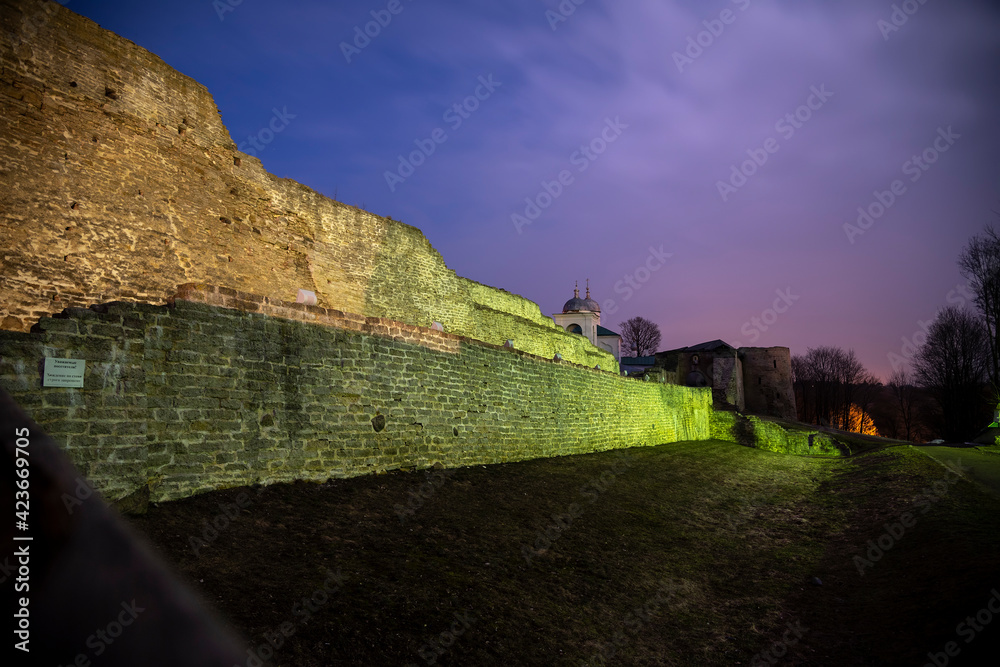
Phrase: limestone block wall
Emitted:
{"points": [[119, 181], [222, 388]]}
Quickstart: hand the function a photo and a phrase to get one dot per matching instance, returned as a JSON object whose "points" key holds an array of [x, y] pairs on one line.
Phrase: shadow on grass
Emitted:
{"points": [[690, 553]]}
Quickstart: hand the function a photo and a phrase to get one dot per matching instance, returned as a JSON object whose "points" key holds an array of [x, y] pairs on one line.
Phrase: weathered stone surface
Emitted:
{"points": [[768, 381], [752, 431], [118, 180], [197, 396]]}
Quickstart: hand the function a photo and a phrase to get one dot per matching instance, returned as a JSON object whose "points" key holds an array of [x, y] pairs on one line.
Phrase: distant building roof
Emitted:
{"points": [[638, 361], [710, 345], [668, 358], [601, 331]]}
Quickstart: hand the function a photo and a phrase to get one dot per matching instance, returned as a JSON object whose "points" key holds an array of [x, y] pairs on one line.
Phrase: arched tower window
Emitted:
{"points": [[575, 328]]}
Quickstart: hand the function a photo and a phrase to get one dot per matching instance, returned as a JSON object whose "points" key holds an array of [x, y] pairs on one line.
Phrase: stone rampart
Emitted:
{"points": [[752, 431], [222, 388], [119, 181]]}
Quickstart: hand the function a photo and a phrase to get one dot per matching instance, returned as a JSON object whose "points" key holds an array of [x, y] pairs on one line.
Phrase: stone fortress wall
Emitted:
{"points": [[119, 181], [221, 388], [767, 384]]}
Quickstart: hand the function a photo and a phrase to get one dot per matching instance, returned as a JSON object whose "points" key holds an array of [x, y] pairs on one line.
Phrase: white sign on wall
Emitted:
{"points": [[63, 372]]}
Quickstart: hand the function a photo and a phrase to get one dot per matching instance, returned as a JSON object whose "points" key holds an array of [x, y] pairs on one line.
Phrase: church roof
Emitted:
{"points": [[601, 331], [576, 304], [592, 305]]}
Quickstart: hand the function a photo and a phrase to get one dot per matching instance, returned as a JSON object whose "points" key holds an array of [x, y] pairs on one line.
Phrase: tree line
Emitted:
{"points": [[952, 385]]}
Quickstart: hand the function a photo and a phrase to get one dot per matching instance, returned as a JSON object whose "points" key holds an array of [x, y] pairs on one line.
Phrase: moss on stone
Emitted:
{"points": [[752, 431]]}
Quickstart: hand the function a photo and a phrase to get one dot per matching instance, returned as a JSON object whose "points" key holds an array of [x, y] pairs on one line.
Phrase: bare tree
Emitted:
{"points": [[979, 262], [801, 381], [640, 335], [862, 416], [903, 394], [952, 364], [850, 375]]}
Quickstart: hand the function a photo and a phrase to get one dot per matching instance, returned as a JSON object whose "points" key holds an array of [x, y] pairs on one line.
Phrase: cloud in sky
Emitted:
{"points": [[682, 131]]}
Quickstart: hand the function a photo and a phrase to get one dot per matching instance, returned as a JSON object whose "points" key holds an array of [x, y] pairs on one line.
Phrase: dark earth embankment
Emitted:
{"points": [[684, 554]]}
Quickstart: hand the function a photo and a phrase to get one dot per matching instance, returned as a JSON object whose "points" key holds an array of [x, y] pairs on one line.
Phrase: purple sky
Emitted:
{"points": [[677, 127]]}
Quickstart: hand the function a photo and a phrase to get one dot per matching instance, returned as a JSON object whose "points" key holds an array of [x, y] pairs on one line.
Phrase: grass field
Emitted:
{"points": [[698, 553]]}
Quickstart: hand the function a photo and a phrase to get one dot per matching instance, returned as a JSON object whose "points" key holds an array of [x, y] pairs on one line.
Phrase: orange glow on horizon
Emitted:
{"points": [[859, 421]]}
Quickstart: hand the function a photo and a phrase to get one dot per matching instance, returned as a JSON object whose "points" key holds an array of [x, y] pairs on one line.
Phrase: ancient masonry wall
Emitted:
{"points": [[752, 431], [119, 181], [767, 381], [223, 388]]}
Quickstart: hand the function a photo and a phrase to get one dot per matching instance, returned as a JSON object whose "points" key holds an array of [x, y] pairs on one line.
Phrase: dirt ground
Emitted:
{"points": [[701, 553]]}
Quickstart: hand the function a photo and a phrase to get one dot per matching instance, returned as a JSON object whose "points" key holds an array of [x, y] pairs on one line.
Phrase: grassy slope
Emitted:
{"points": [[734, 534]]}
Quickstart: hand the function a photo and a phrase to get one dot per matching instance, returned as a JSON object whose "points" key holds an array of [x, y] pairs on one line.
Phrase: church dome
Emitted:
{"points": [[576, 304], [590, 304]]}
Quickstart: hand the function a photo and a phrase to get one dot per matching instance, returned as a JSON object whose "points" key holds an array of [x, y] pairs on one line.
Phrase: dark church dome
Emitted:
{"points": [[577, 304]]}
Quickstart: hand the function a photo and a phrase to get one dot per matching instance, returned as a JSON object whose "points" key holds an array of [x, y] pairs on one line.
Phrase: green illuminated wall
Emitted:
{"points": [[194, 397], [752, 431]]}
